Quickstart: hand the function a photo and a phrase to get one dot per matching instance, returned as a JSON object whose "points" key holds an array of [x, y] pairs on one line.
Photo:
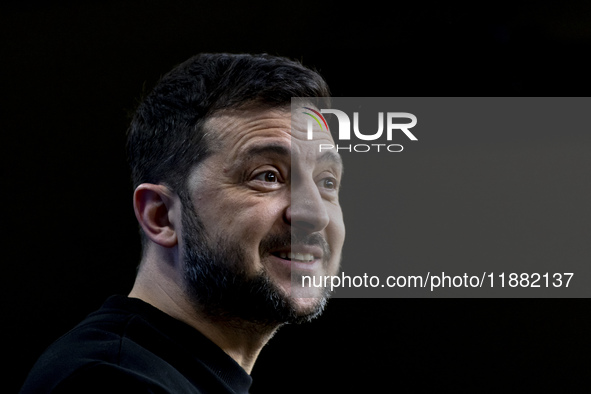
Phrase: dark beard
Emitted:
{"points": [[219, 286]]}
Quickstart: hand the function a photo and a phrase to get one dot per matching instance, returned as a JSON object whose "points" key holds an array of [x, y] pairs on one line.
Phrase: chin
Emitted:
{"points": [[305, 306], [307, 309]]}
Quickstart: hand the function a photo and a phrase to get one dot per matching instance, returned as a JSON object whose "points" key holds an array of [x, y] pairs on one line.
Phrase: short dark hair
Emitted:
{"points": [[166, 137]]}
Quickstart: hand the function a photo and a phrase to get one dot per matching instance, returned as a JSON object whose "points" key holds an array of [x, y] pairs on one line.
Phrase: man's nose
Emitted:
{"points": [[307, 210]]}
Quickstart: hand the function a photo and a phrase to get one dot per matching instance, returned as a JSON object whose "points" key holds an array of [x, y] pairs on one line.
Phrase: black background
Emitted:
{"points": [[71, 73]]}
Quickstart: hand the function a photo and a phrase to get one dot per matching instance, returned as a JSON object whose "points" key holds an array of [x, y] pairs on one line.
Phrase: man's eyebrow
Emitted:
{"points": [[332, 156], [260, 150], [276, 150], [328, 156]]}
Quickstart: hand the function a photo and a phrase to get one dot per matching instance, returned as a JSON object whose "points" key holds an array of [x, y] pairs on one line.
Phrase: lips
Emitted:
{"points": [[295, 248], [302, 257], [300, 253]]}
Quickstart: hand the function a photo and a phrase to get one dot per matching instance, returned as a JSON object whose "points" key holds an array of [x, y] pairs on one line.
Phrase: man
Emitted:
{"points": [[233, 201]]}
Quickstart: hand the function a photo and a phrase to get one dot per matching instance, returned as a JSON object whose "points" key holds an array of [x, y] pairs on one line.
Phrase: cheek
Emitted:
{"points": [[336, 228], [246, 220]]}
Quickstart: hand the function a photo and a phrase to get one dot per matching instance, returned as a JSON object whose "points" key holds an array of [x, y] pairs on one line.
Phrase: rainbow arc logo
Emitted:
{"points": [[316, 118]]}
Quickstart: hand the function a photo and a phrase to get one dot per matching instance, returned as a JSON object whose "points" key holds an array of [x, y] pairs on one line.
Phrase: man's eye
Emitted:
{"points": [[329, 183], [268, 176]]}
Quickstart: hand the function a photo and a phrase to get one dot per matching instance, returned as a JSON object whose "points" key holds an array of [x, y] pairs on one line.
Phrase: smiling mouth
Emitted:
{"points": [[301, 257]]}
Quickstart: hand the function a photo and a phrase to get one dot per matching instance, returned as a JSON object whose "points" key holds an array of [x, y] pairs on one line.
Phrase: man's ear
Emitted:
{"points": [[154, 207]]}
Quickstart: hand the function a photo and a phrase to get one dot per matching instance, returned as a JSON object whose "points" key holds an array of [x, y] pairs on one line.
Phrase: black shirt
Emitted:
{"points": [[128, 346]]}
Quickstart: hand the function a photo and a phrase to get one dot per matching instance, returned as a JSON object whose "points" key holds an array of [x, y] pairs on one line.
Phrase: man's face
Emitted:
{"points": [[263, 208]]}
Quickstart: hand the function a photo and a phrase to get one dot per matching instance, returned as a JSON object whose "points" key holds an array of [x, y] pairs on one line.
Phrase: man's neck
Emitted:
{"points": [[241, 340]]}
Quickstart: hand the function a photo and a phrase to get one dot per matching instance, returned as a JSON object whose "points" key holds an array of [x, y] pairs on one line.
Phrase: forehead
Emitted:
{"points": [[236, 133]]}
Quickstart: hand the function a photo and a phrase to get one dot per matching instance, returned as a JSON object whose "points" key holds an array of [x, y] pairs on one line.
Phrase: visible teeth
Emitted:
{"points": [[300, 256], [283, 255]]}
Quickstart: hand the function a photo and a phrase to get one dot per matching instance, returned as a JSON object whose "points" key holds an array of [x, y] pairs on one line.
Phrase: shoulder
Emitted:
{"points": [[88, 348], [113, 350], [95, 355], [126, 346], [105, 378]]}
